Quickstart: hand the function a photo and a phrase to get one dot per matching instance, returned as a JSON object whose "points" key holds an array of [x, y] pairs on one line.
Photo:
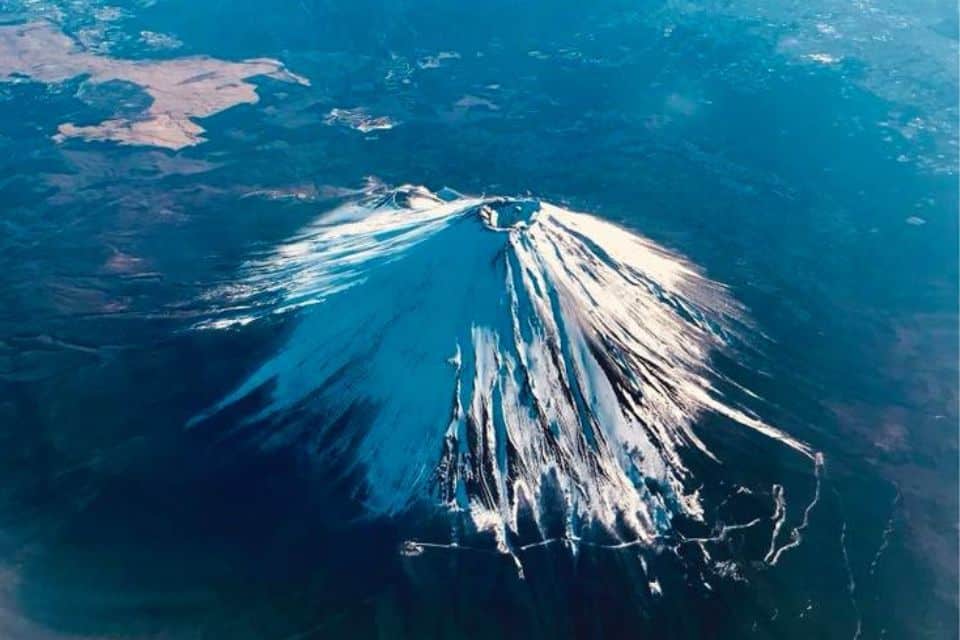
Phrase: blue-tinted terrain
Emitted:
{"points": [[391, 319]]}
